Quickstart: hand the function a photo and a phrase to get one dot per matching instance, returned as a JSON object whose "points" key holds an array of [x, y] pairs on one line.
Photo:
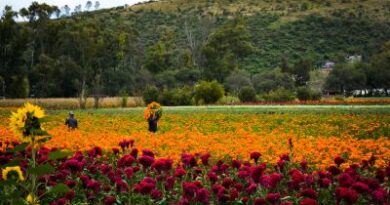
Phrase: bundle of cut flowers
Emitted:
{"points": [[153, 111]]}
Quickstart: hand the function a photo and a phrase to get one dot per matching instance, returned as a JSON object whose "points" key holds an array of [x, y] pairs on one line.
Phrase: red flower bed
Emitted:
{"points": [[124, 177]]}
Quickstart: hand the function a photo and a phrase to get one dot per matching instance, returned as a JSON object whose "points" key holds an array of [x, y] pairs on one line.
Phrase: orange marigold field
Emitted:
{"points": [[315, 137]]}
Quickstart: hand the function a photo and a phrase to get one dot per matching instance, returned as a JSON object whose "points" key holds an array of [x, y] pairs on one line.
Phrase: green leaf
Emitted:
{"points": [[58, 155], [41, 170], [59, 189], [20, 147]]}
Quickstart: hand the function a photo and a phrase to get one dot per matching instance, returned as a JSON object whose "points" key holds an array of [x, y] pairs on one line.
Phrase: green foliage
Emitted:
{"points": [[208, 92], [305, 93], [150, 94], [272, 80], [279, 95], [237, 80], [178, 96], [345, 78], [247, 94]]}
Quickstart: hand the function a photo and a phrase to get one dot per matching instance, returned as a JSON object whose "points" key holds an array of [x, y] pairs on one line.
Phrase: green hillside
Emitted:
{"points": [[172, 43]]}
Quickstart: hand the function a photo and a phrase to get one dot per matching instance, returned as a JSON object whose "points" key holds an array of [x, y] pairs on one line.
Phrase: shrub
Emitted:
{"points": [[304, 93], [178, 96], [280, 95], [150, 94], [208, 92], [247, 94]]}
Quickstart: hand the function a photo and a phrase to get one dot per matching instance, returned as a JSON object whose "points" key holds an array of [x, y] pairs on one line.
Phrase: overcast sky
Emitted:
{"points": [[18, 4]]}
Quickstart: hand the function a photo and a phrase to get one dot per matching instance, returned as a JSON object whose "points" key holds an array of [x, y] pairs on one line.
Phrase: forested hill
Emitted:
{"points": [[178, 42]]}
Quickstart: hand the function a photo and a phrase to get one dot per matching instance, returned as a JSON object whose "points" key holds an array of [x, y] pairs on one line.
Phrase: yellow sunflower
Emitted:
{"points": [[18, 118], [31, 199], [9, 170]]}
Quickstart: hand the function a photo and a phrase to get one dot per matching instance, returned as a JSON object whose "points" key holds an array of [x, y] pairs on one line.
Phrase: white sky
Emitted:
{"points": [[18, 4]]}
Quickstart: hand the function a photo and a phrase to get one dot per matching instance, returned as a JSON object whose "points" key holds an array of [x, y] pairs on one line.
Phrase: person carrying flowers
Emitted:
{"points": [[152, 114]]}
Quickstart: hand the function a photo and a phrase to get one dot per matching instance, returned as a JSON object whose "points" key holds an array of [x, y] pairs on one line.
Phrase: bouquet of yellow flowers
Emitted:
{"points": [[153, 111]]}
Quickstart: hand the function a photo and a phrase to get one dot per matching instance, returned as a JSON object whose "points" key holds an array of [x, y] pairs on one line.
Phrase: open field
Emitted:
{"points": [[232, 131], [206, 155]]}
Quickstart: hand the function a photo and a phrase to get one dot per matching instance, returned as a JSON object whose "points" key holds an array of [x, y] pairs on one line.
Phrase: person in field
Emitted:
{"points": [[71, 122]]}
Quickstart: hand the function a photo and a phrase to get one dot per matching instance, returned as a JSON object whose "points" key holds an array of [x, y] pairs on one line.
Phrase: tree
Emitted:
{"points": [[97, 5], [237, 80], [301, 72], [159, 57], [378, 75], [345, 78], [225, 49], [272, 80], [88, 5]]}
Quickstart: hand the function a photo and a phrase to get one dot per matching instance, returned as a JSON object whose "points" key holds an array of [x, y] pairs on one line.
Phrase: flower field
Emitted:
{"points": [[207, 158]]}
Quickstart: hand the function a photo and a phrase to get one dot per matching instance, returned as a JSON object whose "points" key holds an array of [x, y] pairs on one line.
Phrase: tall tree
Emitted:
{"points": [[225, 48]]}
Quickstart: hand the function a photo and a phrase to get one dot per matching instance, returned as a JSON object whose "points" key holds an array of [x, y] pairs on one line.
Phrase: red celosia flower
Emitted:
{"points": [[70, 183], [156, 194], [266, 181], [179, 172], [334, 170], [350, 196], [169, 183], [339, 160], [115, 150], [257, 171], [251, 188], [324, 182], [245, 199], [105, 168], [255, 156], [134, 153], [161, 165], [227, 182], [188, 160], [126, 161], [310, 193], [308, 201], [380, 175], [222, 195], [285, 157], [303, 165], [215, 188], [380, 195], [73, 165], [296, 176], [345, 180], [234, 194], [121, 185], [84, 179], [360, 187], [238, 186], [147, 152], [106, 187], [146, 161], [70, 195], [94, 152], [109, 200], [205, 158], [189, 189], [124, 144], [273, 197], [129, 172], [93, 185], [242, 174], [259, 201], [236, 164], [62, 201], [203, 196]]}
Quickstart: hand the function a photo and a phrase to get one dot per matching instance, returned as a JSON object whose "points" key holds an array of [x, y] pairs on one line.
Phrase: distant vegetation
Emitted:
{"points": [[268, 47]]}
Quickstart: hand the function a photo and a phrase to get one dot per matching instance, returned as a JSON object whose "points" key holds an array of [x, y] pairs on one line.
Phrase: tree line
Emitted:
{"points": [[108, 53]]}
